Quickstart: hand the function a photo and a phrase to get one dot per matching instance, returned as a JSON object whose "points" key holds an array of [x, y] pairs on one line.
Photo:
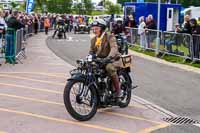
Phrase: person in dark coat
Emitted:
{"points": [[186, 28], [150, 31], [195, 31], [13, 24], [36, 24]]}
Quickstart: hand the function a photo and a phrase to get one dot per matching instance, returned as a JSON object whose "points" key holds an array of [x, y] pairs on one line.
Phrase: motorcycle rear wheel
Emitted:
{"points": [[125, 84]]}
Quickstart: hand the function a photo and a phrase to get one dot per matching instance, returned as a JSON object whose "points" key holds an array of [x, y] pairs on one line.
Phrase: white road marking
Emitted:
{"points": [[198, 125]]}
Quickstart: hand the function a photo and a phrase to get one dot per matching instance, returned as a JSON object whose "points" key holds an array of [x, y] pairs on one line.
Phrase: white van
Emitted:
{"points": [[194, 12], [6, 7]]}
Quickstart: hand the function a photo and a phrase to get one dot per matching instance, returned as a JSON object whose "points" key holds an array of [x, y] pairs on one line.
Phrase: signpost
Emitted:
{"points": [[158, 30]]}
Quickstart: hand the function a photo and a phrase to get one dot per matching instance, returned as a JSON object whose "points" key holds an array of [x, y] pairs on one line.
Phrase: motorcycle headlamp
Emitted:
{"points": [[89, 58]]}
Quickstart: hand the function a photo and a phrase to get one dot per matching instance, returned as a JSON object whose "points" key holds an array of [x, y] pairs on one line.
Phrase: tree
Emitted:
{"points": [[88, 6], [78, 8], [59, 6], [14, 5], [84, 7], [187, 3], [112, 8]]}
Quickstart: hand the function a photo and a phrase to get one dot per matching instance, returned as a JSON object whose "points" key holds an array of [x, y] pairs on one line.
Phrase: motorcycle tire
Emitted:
{"points": [[68, 104], [59, 37], [126, 89]]}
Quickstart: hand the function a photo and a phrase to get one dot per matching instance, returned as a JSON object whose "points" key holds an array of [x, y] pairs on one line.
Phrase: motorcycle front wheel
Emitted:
{"points": [[80, 100]]}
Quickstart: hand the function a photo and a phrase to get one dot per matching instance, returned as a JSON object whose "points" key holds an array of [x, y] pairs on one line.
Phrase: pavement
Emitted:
{"points": [[31, 96], [171, 86]]}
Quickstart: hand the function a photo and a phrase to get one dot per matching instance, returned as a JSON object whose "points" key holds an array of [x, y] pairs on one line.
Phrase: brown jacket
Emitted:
{"points": [[108, 48]]}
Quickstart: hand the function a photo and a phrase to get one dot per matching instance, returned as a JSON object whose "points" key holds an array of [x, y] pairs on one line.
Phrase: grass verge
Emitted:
{"points": [[169, 58]]}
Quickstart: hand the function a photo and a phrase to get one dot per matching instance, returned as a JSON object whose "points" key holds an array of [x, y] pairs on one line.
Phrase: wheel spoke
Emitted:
{"points": [[84, 107]]}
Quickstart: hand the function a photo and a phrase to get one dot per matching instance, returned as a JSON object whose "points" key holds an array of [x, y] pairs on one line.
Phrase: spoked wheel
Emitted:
{"points": [[125, 84], [80, 101]]}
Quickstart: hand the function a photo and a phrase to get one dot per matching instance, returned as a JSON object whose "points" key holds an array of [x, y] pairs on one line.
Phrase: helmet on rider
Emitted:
{"points": [[99, 27], [59, 18], [119, 21], [99, 23]]}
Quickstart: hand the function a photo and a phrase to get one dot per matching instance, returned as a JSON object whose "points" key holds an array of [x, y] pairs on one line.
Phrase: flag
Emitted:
{"points": [[29, 6]]}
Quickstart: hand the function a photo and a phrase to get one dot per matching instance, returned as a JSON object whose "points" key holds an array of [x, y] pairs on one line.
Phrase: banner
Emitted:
{"points": [[29, 6]]}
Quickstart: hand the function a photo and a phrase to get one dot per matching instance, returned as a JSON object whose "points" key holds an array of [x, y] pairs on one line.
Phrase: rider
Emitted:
{"points": [[118, 27], [60, 22], [105, 46]]}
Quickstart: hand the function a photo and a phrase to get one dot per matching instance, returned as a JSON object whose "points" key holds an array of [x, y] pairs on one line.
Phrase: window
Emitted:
{"points": [[170, 14]]}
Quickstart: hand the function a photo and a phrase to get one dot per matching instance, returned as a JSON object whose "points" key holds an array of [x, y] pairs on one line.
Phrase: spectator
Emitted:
{"points": [[186, 28], [41, 23], [46, 24], [150, 23], [198, 21], [133, 32], [131, 22], [67, 23], [90, 20], [195, 30], [70, 24], [141, 32], [150, 31], [36, 23], [3, 26], [174, 39], [14, 24], [7, 16]]}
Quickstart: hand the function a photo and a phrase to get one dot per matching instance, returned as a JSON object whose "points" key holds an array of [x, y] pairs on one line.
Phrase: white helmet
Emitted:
{"points": [[100, 22], [119, 20]]}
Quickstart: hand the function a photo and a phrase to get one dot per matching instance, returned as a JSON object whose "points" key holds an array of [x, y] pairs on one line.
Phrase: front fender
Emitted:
{"points": [[77, 76]]}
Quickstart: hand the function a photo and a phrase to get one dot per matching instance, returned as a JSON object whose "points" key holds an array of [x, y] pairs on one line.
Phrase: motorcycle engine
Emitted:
{"points": [[104, 93]]}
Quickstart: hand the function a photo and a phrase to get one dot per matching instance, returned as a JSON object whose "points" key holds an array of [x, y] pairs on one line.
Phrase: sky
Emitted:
{"points": [[97, 1]]}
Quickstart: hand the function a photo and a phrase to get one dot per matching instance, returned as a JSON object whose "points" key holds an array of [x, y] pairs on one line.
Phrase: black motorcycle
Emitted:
{"points": [[122, 43], [61, 32], [90, 88]]}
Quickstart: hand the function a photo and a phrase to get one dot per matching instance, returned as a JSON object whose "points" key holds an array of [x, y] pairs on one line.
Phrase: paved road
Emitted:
{"points": [[31, 97], [171, 88]]}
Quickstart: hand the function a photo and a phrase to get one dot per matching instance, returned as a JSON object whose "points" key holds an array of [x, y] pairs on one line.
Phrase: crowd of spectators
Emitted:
{"points": [[34, 23]]}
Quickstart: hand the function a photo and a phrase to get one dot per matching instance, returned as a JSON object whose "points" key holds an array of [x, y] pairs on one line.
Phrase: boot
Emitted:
{"points": [[116, 84]]}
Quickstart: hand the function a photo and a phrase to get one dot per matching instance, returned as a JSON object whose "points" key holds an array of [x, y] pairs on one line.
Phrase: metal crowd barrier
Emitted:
{"points": [[10, 46], [178, 44], [20, 45], [171, 43], [142, 37], [13, 43], [196, 47], [130, 36]]}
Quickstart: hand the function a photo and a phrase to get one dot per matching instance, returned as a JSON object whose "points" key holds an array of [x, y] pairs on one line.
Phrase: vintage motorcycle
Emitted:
{"points": [[61, 31], [122, 43], [90, 88]]}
